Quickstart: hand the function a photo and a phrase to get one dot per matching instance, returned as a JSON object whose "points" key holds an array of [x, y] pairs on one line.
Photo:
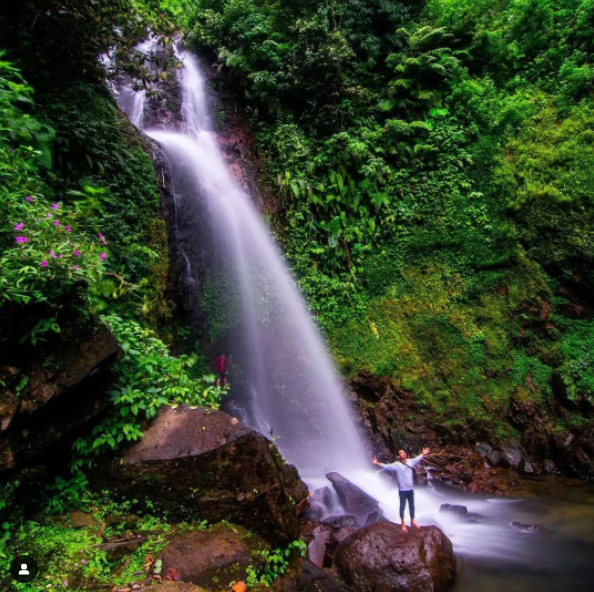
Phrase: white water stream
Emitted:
{"points": [[294, 388]]}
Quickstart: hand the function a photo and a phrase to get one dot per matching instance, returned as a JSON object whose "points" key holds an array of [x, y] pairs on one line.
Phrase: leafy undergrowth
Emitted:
{"points": [[148, 377], [68, 544], [72, 558]]}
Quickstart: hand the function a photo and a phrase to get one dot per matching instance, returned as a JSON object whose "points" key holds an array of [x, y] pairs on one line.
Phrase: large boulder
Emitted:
{"points": [[205, 463], [50, 391], [382, 558], [212, 558], [354, 500]]}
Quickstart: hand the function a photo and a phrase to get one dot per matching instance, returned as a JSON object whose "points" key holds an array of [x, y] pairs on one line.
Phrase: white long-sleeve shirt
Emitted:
{"points": [[404, 471]]}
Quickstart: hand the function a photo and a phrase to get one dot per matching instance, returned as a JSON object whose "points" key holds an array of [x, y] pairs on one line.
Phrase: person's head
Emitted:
{"points": [[402, 455]]}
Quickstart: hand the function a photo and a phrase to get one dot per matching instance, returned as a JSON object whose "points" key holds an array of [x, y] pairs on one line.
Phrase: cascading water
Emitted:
{"points": [[291, 387], [294, 386]]}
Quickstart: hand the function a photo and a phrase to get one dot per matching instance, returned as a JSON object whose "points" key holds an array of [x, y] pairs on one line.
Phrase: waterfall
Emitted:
{"points": [[294, 389], [291, 390]]}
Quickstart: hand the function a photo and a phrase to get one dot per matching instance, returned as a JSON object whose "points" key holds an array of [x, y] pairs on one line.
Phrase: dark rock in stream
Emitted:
{"points": [[526, 468], [354, 500], [382, 557], [531, 528], [495, 458], [197, 462], [484, 449], [336, 522], [511, 454], [454, 510]]}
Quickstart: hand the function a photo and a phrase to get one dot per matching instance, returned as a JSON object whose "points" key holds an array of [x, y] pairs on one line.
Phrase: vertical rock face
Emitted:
{"points": [[50, 390], [206, 463], [382, 558]]}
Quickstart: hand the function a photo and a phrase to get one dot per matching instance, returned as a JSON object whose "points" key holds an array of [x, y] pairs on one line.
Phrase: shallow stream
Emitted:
{"points": [[493, 556]]}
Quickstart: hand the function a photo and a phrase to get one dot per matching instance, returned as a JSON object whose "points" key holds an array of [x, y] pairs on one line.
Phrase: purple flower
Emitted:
{"points": [[52, 254], [48, 215], [99, 235], [103, 256], [65, 583], [55, 206], [68, 228], [59, 255], [77, 267], [56, 223], [44, 263], [29, 198], [84, 561], [11, 149], [21, 239], [19, 226], [77, 253]]}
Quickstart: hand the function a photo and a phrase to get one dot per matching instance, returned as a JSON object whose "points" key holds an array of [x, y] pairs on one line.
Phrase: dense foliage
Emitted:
{"points": [[433, 162], [80, 206]]}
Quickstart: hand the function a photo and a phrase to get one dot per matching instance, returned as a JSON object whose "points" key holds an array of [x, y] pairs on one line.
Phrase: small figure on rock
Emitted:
{"points": [[404, 469], [221, 367]]}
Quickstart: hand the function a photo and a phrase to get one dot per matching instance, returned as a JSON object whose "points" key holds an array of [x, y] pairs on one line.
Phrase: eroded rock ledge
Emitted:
{"points": [[206, 463]]}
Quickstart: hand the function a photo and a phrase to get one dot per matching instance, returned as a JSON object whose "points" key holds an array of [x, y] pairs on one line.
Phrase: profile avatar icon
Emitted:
{"points": [[23, 569]]}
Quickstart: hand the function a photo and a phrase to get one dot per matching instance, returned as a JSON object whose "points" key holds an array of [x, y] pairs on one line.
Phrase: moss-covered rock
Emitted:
{"points": [[206, 463]]}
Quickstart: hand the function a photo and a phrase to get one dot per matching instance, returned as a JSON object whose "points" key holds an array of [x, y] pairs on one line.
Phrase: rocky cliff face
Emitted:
{"points": [[393, 419], [50, 389]]}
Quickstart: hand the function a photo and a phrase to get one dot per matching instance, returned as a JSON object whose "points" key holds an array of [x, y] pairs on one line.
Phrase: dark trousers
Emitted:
{"points": [[410, 497]]}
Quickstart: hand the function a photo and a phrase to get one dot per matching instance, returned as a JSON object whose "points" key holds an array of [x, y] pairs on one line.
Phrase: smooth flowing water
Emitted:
{"points": [[291, 389]]}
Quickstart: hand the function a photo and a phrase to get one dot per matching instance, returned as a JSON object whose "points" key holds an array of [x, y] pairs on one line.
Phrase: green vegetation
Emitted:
{"points": [[434, 167], [267, 565], [148, 378], [72, 556]]}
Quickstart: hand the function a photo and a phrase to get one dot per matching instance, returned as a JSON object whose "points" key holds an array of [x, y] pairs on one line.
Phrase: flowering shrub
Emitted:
{"points": [[44, 246], [50, 250]]}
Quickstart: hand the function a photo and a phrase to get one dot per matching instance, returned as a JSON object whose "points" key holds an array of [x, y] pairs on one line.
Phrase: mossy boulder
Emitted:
{"points": [[213, 559], [207, 464]]}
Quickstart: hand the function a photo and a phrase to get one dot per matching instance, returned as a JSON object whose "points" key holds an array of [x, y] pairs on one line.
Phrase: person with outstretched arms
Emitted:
{"points": [[404, 470]]}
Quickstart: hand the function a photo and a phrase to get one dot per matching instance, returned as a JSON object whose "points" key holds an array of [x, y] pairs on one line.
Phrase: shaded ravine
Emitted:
{"points": [[292, 389]]}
